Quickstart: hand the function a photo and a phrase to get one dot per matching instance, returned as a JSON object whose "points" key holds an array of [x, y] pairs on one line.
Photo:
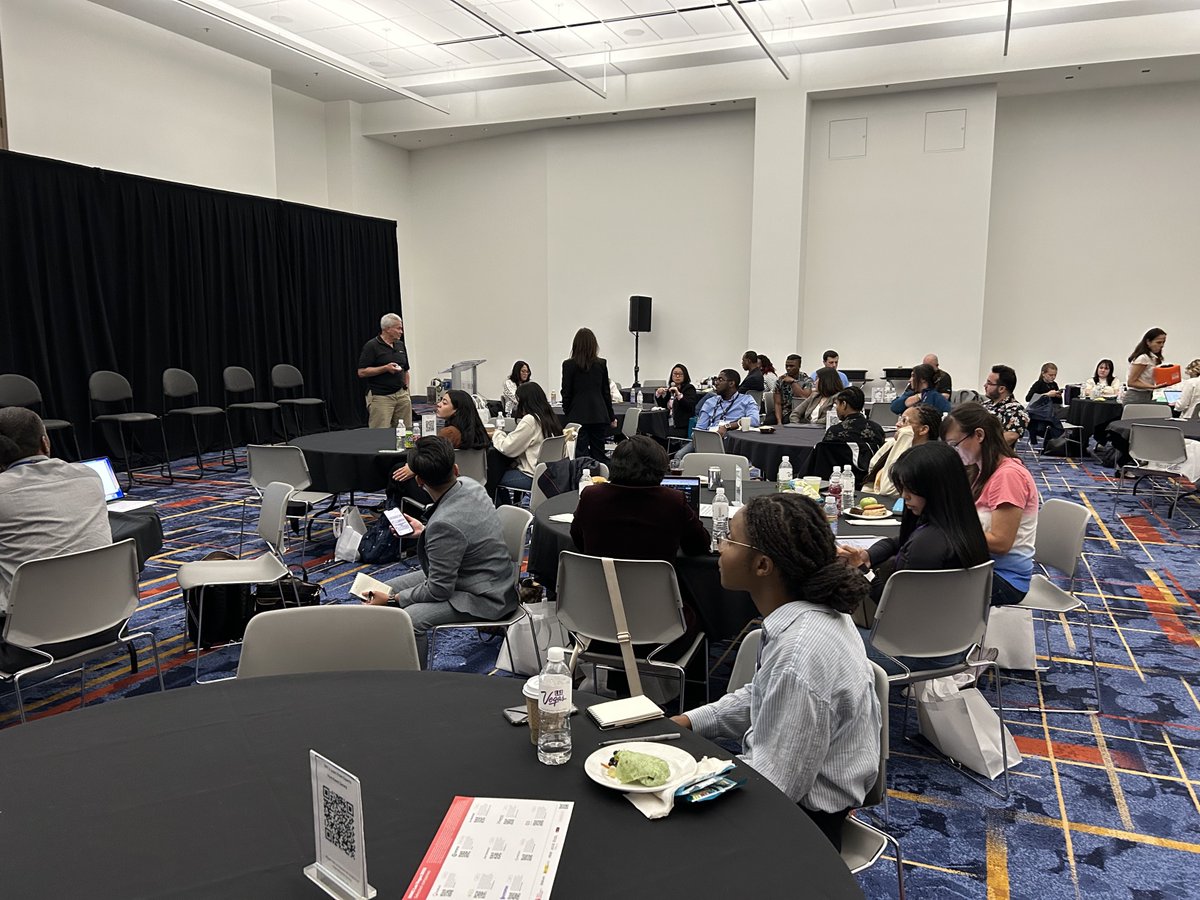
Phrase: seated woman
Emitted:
{"points": [[939, 530], [1006, 498], [513, 457], [817, 404], [520, 374], [921, 390], [809, 720], [1189, 390], [461, 426], [853, 427], [916, 425], [770, 376], [679, 399], [1043, 400], [1102, 385]]}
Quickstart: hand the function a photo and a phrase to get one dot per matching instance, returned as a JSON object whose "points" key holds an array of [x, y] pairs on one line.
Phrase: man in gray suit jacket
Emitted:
{"points": [[466, 571]]}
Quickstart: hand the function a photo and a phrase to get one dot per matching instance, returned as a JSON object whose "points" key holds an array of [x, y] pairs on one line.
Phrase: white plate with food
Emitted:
{"points": [[679, 767], [856, 512]]}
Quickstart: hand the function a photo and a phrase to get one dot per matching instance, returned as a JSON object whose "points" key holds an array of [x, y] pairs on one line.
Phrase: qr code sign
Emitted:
{"points": [[337, 814]]}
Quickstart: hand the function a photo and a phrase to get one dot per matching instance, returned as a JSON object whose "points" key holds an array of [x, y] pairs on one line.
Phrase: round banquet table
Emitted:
{"points": [[1092, 415], [652, 421], [766, 451], [361, 459], [722, 613], [143, 525], [205, 792], [1120, 429]]}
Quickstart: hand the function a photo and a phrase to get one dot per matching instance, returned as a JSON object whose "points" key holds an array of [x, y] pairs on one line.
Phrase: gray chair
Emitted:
{"points": [[472, 464], [757, 397], [863, 844], [515, 524], [745, 662], [1059, 543], [332, 638], [537, 497], [1145, 411], [629, 426], [240, 383], [653, 612], [70, 608], [937, 613], [697, 464], [283, 462], [284, 379], [1157, 451], [707, 441], [178, 384], [964, 396], [17, 390], [110, 389], [651, 384], [269, 568], [552, 449]]}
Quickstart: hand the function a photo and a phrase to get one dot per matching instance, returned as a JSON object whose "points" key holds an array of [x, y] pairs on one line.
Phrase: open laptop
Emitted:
{"points": [[1172, 395], [113, 495], [689, 486]]}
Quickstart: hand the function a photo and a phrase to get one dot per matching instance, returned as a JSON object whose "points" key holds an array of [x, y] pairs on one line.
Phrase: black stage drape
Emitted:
{"points": [[101, 270]]}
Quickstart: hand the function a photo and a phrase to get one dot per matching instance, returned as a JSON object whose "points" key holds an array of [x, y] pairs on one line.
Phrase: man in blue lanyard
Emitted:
{"points": [[722, 407]]}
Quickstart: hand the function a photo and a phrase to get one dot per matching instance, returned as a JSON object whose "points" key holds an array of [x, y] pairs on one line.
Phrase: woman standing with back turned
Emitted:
{"points": [[585, 397]]}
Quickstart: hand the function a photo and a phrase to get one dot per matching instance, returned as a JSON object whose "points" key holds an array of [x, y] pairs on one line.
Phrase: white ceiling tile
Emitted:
{"points": [[386, 9], [648, 6], [707, 21], [828, 9], [436, 57], [911, 4], [425, 28], [347, 39], [648, 35], [503, 48], [607, 9], [567, 12], [305, 16], [562, 42], [599, 37], [499, 12], [472, 54], [790, 12], [672, 27], [456, 21], [759, 13], [350, 10], [527, 14], [869, 7], [394, 63]]}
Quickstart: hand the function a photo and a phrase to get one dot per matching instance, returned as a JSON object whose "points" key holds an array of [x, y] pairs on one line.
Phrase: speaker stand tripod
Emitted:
{"points": [[636, 370]]}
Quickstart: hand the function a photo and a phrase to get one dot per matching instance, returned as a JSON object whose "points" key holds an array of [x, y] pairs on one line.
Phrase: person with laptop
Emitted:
{"points": [[48, 507]]}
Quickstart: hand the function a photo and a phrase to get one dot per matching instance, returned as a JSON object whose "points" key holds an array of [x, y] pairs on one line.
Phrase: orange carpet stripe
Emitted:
{"points": [[190, 501], [1031, 746], [1141, 529], [1165, 615]]}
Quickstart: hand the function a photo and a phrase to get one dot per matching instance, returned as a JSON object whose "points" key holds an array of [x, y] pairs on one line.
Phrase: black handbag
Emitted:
{"points": [[227, 609], [286, 591]]}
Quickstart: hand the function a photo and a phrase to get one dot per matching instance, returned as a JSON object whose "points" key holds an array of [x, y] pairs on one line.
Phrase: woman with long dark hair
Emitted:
{"points": [[585, 397], [1006, 498], [770, 376], [809, 721], [1103, 383], [679, 399], [817, 404], [1146, 355], [513, 457], [461, 426], [520, 374]]}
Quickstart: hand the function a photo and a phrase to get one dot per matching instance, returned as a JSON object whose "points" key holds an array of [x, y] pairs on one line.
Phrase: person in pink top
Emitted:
{"points": [[1006, 497]]}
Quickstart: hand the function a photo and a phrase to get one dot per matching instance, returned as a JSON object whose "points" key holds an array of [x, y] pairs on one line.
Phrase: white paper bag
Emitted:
{"points": [[1010, 633], [349, 528], [967, 729], [517, 654]]}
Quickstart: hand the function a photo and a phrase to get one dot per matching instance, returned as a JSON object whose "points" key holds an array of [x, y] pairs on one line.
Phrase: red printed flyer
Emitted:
{"points": [[490, 848]]}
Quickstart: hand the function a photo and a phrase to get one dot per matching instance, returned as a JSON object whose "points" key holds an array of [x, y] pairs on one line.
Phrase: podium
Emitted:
{"points": [[462, 375]]}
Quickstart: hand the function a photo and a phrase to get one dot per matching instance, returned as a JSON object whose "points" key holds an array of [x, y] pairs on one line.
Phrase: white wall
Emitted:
{"points": [[1095, 228], [300, 159], [91, 86], [897, 238]]}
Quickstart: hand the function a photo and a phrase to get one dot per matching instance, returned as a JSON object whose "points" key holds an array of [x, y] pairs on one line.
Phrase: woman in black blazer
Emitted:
{"points": [[585, 396], [679, 398]]}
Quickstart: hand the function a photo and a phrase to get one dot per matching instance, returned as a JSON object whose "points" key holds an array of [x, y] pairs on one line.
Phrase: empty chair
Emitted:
{"points": [[964, 396], [757, 397], [629, 426], [17, 390], [285, 378], [699, 463], [515, 524], [651, 384], [333, 638], [283, 462], [110, 389], [1145, 411], [553, 449], [707, 441], [240, 383], [268, 568], [746, 661], [537, 496], [67, 609], [178, 384], [1157, 451], [472, 464]]}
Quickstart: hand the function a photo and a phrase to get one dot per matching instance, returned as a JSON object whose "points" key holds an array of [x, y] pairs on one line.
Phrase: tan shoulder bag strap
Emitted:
{"points": [[623, 637]]}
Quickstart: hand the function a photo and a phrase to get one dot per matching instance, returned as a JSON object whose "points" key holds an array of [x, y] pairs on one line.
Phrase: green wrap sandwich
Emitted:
{"points": [[631, 767]]}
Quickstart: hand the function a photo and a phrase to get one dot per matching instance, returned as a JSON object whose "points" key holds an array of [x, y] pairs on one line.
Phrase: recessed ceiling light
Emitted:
{"points": [[283, 20], [635, 32]]}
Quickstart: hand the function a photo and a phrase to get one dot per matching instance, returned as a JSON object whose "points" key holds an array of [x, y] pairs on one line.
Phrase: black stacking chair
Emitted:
{"points": [[17, 390], [178, 384], [285, 378], [107, 389], [239, 383]]}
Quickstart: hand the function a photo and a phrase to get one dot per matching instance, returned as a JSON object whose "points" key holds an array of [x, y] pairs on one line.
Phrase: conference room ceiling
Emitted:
{"points": [[368, 50]]}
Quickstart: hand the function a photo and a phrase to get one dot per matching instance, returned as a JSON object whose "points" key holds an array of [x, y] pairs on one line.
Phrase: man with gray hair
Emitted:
{"points": [[383, 365], [48, 507]]}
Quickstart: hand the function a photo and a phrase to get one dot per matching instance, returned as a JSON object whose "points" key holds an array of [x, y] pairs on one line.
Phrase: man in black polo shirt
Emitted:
{"points": [[383, 365]]}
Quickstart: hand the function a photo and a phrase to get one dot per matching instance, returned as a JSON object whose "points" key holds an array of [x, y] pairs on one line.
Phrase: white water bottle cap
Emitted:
{"points": [[555, 654]]}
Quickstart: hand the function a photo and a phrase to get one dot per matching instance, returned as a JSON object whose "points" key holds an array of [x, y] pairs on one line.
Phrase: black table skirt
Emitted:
{"points": [[204, 792], [1118, 433], [766, 451], [143, 525], [1093, 415], [649, 422], [344, 461]]}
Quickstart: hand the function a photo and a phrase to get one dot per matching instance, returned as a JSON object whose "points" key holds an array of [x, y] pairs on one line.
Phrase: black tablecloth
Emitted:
{"points": [[1118, 431], [343, 461], [652, 421], [722, 613], [143, 525], [766, 451], [205, 792], [1092, 415]]}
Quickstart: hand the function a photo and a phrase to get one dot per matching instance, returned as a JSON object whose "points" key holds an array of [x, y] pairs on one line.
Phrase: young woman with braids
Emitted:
{"points": [[809, 720], [1006, 498]]}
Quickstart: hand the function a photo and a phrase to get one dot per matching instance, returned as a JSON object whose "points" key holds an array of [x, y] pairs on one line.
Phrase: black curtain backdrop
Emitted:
{"points": [[101, 270]]}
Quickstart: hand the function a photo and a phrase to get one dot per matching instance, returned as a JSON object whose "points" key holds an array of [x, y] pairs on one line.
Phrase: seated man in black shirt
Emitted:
{"points": [[853, 427], [383, 365], [754, 376]]}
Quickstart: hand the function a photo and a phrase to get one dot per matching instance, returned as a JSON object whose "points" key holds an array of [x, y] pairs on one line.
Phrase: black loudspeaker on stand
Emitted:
{"points": [[639, 321]]}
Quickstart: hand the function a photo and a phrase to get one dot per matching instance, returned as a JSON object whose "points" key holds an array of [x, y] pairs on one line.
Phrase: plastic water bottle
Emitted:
{"points": [[416, 430], [835, 487], [737, 487], [784, 479], [585, 480], [847, 487], [400, 436], [720, 517], [831, 513], [638, 397], [554, 710]]}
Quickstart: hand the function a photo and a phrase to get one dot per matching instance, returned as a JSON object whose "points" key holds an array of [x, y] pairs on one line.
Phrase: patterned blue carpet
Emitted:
{"points": [[1102, 806]]}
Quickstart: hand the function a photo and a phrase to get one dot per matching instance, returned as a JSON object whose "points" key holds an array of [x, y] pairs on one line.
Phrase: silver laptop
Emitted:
{"points": [[113, 495]]}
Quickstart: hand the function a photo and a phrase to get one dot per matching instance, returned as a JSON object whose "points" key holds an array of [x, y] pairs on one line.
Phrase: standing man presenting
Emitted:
{"points": [[383, 365]]}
